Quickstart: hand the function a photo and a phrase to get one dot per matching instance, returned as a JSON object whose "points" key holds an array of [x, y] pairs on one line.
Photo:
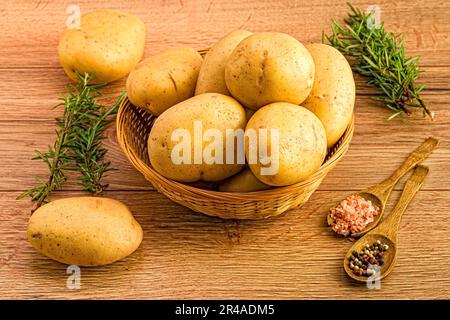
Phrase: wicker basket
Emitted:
{"points": [[133, 129]]}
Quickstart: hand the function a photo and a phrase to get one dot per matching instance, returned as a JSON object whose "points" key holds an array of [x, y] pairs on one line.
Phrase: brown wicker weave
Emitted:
{"points": [[133, 129]]}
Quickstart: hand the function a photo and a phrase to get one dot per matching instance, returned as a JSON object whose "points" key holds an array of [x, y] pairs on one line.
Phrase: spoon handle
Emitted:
{"points": [[391, 224], [422, 152]]}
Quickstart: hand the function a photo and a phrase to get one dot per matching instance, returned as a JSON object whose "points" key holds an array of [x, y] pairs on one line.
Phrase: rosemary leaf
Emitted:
{"points": [[380, 56], [77, 146], [89, 155]]}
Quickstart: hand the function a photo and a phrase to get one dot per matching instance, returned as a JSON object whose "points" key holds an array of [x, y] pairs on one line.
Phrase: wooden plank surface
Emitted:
{"points": [[187, 255]]}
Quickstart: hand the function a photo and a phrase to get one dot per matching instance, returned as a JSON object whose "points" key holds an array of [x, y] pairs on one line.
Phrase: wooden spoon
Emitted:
{"points": [[379, 193], [387, 231]]}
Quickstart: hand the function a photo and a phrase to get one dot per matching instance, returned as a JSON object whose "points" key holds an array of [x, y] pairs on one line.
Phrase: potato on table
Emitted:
{"points": [[86, 231], [165, 79], [109, 43], [332, 97], [269, 67]]}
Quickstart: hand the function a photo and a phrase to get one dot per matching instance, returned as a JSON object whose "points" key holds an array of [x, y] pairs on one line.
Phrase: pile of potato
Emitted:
{"points": [[246, 81]]}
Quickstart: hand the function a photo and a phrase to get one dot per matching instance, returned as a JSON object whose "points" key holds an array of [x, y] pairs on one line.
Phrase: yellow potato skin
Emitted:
{"points": [[244, 181], [86, 231], [269, 67], [332, 97], [302, 142], [212, 73], [214, 110], [165, 79], [109, 43]]}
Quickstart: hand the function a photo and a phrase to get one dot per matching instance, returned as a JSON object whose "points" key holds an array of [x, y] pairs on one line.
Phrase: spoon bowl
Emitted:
{"points": [[376, 201], [390, 256]]}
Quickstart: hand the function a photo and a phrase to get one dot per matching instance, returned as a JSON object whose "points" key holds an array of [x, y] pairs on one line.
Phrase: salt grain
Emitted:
{"points": [[353, 214]]}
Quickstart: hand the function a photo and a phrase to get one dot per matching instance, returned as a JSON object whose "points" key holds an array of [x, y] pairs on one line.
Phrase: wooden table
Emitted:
{"points": [[188, 255]]}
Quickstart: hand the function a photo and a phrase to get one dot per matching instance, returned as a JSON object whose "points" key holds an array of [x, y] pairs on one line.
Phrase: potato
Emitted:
{"points": [[269, 67], [302, 143], [332, 97], [109, 43], [86, 231], [173, 156], [212, 73], [244, 181], [165, 79]]}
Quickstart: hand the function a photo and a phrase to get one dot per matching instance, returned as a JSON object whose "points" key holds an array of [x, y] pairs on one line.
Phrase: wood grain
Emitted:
{"points": [[187, 255], [30, 39]]}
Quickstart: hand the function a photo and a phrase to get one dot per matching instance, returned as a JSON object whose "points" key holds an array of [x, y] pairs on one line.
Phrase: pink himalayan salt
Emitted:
{"points": [[352, 215]]}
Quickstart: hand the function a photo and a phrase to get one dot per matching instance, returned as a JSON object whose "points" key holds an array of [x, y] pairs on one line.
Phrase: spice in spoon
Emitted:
{"points": [[363, 263], [352, 215]]}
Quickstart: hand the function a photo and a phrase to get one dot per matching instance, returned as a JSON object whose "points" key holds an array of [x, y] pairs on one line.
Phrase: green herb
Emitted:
{"points": [[88, 152], [380, 56], [78, 142]]}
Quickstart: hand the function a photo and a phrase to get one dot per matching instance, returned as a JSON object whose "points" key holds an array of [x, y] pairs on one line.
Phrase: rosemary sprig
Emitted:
{"points": [[380, 56], [88, 151], [78, 142]]}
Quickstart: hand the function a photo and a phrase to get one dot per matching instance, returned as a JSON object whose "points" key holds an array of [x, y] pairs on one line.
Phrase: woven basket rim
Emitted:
{"points": [[147, 170]]}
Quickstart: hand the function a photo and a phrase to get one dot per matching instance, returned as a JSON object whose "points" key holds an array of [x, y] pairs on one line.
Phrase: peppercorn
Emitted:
{"points": [[371, 254]]}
